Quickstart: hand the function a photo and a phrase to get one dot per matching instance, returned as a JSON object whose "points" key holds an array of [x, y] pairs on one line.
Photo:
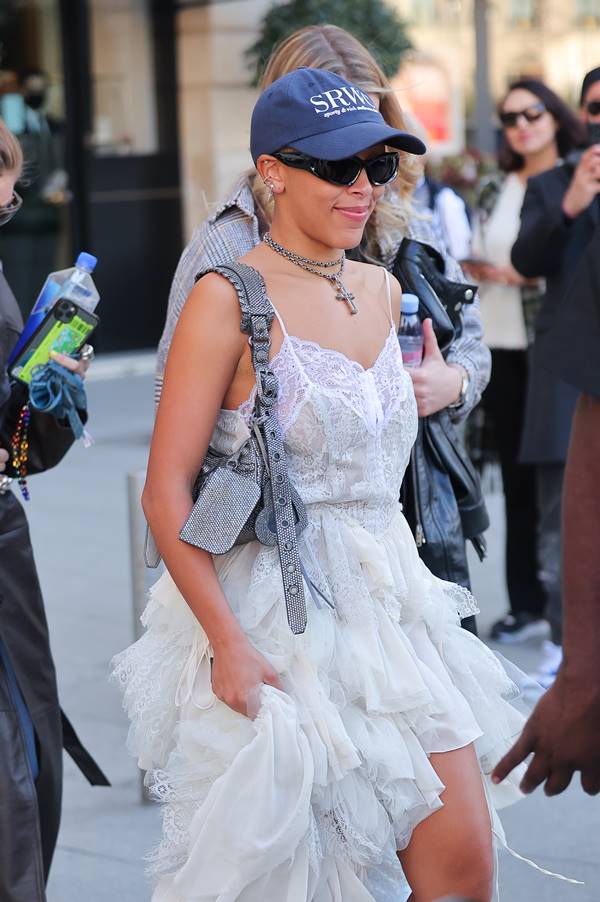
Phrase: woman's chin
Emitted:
{"points": [[350, 237]]}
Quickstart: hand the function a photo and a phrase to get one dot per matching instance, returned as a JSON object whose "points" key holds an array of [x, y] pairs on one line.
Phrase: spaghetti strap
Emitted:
{"points": [[279, 319], [388, 286]]}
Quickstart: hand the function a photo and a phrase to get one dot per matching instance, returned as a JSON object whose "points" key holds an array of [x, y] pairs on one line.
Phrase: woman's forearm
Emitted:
{"points": [[470, 352], [191, 568]]}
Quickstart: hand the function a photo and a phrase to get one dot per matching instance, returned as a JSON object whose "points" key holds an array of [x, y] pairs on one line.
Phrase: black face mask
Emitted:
{"points": [[36, 100]]}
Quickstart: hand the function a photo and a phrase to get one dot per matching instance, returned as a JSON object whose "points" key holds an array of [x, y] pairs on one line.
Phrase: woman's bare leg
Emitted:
{"points": [[451, 851]]}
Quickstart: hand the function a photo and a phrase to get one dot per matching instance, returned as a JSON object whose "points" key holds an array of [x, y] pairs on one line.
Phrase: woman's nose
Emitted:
{"points": [[362, 185]]}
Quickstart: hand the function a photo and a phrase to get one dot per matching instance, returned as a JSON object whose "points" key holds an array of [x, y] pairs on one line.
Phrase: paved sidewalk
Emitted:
{"points": [[79, 523]]}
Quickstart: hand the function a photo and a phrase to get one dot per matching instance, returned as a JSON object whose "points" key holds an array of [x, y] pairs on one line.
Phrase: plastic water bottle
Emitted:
{"points": [[410, 333], [75, 284]]}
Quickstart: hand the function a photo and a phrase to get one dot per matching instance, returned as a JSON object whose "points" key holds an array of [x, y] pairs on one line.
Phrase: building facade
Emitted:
{"points": [[154, 102], [557, 40]]}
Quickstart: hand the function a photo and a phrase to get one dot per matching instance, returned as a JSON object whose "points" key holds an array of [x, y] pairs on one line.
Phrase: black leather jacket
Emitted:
{"points": [[29, 813]]}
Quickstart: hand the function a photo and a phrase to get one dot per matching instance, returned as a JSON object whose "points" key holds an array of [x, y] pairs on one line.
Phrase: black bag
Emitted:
{"points": [[442, 500], [420, 270], [441, 493]]}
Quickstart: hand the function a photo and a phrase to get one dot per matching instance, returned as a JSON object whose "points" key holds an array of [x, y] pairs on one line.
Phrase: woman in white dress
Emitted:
{"points": [[323, 766]]}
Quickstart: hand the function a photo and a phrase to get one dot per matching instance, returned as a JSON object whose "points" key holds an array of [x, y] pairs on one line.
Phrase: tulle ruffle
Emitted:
{"points": [[309, 802]]}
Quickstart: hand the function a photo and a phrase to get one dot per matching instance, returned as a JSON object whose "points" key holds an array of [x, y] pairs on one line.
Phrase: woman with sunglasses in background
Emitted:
{"points": [[454, 382], [538, 128], [32, 726], [315, 764]]}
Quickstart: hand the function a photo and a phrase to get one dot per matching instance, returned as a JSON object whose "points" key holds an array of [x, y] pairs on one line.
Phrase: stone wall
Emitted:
{"points": [[215, 100]]}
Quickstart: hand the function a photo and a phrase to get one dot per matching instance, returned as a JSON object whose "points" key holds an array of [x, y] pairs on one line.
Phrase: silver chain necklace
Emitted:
{"points": [[335, 279]]}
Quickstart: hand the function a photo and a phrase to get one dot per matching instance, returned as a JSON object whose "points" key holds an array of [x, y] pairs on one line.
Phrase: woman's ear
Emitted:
{"points": [[270, 171]]}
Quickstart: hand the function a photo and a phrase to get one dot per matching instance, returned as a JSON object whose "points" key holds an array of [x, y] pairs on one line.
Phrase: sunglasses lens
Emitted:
{"points": [[382, 169], [7, 212], [593, 107], [533, 115], [340, 172]]}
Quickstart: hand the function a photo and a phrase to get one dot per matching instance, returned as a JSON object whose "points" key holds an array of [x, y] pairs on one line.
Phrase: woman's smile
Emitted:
{"points": [[355, 212]]}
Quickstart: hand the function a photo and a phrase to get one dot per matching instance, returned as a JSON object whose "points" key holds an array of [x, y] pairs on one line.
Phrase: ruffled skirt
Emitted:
{"points": [[310, 801]]}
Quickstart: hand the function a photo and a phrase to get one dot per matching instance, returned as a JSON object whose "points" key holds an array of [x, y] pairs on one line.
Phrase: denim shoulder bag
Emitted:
{"points": [[248, 496]]}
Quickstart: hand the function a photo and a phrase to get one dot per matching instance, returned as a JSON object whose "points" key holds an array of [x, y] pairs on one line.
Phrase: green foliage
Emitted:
{"points": [[375, 24]]}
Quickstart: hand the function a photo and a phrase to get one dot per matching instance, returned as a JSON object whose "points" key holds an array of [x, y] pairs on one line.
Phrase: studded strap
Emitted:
{"points": [[257, 317]]}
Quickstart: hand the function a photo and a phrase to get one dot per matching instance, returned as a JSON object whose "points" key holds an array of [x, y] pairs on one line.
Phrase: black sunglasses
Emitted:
{"points": [[380, 170], [8, 210], [531, 114], [593, 107]]}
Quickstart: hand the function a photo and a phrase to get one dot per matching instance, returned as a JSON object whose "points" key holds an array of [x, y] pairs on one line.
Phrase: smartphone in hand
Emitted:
{"points": [[64, 329]]}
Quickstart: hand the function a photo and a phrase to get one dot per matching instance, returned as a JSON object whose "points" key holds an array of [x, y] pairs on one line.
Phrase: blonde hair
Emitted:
{"points": [[11, 155], [332, 48]]}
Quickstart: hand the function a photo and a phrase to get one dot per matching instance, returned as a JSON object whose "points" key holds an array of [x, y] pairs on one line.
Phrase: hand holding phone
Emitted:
{"points": [[585, 184], [64, 330]]}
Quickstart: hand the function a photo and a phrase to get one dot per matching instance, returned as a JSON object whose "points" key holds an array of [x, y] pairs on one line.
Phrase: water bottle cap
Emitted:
{"points": [[410, 303], [86, 261]]}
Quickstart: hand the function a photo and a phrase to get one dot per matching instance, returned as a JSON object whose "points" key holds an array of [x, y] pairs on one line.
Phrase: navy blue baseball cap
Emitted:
{"points": [[320, 114]]}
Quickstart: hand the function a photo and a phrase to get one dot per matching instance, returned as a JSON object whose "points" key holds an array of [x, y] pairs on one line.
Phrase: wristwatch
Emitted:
{"points": [[464, 388]]}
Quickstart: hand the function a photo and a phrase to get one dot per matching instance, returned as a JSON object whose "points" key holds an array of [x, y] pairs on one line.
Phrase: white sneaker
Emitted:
{"points": [[549, 664]]}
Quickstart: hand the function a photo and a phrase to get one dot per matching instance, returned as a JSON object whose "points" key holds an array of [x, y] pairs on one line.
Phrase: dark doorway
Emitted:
{"points": [[111, 114], [133, 215]]}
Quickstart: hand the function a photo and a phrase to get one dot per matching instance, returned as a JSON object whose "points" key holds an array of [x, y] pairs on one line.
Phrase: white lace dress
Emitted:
{"points": [[309, 801]]}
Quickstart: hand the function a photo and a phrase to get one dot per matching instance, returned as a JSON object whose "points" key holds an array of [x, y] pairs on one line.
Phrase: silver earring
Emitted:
{"points": [[269, 185]]}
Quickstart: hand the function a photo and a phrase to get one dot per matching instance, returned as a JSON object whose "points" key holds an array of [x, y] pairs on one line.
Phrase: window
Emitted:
{"points": [[435, 12], [587, 12], [123, 78], [424, 12], [523, 13]]}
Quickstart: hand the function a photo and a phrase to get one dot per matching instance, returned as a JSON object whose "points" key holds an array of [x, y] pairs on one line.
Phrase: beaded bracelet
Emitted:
{"points": [[19, 445]]}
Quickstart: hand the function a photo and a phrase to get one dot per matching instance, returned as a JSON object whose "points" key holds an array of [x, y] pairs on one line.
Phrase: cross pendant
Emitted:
{"points": [[344, 295]]}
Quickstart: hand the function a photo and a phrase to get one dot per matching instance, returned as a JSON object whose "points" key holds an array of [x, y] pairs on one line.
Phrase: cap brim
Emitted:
{"points": [[352, 139]]}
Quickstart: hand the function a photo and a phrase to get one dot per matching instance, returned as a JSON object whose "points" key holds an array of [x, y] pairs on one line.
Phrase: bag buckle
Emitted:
{"points": [[266, 385]]}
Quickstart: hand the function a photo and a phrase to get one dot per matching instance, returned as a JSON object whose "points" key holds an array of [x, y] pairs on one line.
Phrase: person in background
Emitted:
{"points": [[239, 221], [448, 212], [563, 732], [538, 129], [447, 209], [558, 219], [33, 729], [29, 245]]}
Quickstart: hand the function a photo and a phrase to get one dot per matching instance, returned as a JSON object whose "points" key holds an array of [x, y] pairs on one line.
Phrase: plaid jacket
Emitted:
{"points": [[232, 230]]}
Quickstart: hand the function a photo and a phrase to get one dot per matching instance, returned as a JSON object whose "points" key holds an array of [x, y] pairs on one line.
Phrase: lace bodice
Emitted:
{"points": [[348, 430]]}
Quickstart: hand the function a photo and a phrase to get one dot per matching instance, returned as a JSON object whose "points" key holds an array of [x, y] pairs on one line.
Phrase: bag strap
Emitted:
{"points": [[257, 317]]}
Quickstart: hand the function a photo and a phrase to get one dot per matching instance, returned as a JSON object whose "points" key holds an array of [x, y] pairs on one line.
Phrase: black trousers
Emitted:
{"points": [[504, 405], [29, 810]]}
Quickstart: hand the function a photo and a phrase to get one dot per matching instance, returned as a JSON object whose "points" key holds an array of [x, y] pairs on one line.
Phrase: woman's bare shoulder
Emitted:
{"points": [[373, 280], [371, 275], [213, 293], [211, 312]]}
